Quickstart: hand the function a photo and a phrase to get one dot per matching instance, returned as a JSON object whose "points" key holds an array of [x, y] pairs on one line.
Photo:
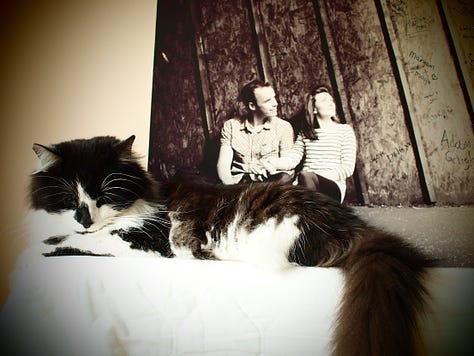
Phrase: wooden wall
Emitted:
{"points": [[177, 133], [401, 71], [437, 107]]}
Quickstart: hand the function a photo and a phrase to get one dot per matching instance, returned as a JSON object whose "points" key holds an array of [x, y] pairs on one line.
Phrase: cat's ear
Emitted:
{"points": [[46, 156], [125, 147]]}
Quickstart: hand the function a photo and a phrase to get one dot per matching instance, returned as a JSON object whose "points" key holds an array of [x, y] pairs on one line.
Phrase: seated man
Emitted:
{"points": [[259, 135]]}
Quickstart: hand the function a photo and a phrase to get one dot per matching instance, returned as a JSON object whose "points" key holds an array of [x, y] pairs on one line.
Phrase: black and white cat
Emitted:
{"points": [[93, 197]]}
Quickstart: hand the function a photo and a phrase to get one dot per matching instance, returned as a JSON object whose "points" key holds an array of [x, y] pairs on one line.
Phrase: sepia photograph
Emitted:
{"points": [[237, 177]]}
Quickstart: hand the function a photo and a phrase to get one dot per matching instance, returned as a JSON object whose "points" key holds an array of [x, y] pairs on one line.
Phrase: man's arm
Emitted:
{"points": [[224, 164], [288, 159], [287, 138]]}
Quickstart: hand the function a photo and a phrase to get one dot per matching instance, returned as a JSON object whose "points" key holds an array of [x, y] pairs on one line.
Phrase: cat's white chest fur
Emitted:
{"points": [[267, 245]]}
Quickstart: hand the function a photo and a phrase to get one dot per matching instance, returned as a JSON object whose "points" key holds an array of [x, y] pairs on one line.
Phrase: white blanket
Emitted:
{"points": [[146, 306]]}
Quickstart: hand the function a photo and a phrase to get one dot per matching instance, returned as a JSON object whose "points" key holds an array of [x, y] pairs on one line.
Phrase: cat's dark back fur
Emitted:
{"points": [[384, 295]]}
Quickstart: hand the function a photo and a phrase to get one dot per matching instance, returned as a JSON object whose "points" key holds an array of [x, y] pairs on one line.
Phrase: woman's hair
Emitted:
{"points": [[309, 123]]}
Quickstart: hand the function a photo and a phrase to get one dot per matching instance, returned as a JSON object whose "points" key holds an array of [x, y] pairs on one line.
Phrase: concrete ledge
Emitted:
{"points": [[443, 232]]}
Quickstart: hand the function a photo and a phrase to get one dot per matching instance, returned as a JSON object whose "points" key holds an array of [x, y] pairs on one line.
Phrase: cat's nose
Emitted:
{"points": [[83, 216]]}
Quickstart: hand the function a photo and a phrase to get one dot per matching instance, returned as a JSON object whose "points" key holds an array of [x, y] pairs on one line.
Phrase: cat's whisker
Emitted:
{"points": [[109, 196], [161, 221], [108, 181], [183, 212], [107, 190], [53, 186], [159, 230], [107, 199], [65, 187], [162, 229], [120, 180], [302, 241], [317, 226], [102, 185], [156, 228], [143, 230], [44, 188], [155, 219], [64, 182], [67, 196], [123, 174], [49, 177]]}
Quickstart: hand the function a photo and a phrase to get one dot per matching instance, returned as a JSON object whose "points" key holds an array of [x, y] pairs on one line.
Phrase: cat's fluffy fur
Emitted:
{"points": [[118, 209]]}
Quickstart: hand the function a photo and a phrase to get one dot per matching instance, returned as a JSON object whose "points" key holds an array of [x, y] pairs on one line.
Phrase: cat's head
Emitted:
{"points": [[97, 180]]}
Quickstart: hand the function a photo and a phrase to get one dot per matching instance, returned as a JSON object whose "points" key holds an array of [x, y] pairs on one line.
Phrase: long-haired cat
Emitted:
{"points": [[118, 209]]}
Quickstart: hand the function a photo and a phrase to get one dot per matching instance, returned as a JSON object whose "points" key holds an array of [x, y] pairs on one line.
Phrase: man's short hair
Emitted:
{"points": [[247, 94]]}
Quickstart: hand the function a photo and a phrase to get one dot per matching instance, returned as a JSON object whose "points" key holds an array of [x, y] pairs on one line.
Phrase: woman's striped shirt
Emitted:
{"points": [[332, 155]]}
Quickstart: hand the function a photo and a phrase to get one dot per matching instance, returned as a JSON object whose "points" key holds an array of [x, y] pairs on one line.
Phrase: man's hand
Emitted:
{"points": [[267, 164], [255, 169]]}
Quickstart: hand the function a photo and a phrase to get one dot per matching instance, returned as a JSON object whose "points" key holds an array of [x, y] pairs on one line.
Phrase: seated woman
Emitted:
{"points": [[327, 148]]}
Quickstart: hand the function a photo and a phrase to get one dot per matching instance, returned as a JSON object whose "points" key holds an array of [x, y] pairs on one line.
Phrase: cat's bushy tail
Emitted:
{"points": [[385, 296]]}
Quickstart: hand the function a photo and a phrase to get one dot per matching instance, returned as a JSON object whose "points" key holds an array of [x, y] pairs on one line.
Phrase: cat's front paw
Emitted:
{"points": [[204, 255]]}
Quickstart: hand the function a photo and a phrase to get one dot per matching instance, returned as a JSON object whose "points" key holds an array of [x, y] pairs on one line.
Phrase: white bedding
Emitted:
{"points": [[147, 306]]}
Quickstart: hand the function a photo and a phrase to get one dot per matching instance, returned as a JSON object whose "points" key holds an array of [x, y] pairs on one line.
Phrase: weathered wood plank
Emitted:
{"points": [[440, 119], [386, 160], [460, 18], [228, 57], [292, 38], [176, 132]]}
